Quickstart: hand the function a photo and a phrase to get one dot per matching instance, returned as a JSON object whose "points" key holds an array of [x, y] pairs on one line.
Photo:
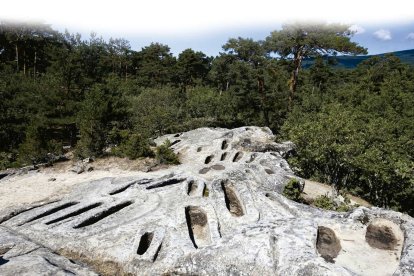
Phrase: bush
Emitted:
{"points": [[324, 202], [343, 207], [293, 190], [134, 146], [6, 160], [156, 111], [33, 150], [91, 121], [165, 155]]}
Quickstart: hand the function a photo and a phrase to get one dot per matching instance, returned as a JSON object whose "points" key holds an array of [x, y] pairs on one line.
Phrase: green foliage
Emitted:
{"points": [[92, 123], [352, 128], [300, 40], [156, 111], [324, 202], [206, 191], [4, 160], [154, 65], [207, 107], [293, 190], [35, 146], [165, 155], [133, 146], [343, 207], [360, 137], [192, 68], [8, 160], [312, 40]]}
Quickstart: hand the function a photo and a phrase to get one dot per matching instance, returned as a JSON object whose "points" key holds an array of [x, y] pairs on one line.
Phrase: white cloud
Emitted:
{"points": [[410, 36], [171, 17], [357, 29], [383, 34]]}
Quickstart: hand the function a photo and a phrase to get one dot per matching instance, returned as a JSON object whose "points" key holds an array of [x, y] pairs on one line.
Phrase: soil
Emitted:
{"points": [[37, 186], [327, 244], [381, 237]]}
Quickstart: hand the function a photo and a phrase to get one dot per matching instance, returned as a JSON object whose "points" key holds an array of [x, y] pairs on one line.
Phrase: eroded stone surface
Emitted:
{"points": [[20, 256], [224, 217], [327, 244], [381, 237]]}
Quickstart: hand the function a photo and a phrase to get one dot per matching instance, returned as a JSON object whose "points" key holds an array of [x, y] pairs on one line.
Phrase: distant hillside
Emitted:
{"points": [[350, 62]]}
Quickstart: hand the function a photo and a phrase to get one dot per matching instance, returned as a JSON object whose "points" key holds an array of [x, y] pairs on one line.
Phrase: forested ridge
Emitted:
{"points": [[353, 128]]}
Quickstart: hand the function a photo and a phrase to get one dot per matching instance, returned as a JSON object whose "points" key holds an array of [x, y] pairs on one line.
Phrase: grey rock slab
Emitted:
{"points": [[220, 212], [20, 256]]}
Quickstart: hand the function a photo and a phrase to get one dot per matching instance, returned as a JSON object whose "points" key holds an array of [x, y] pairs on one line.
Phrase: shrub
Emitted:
{"points": [[343, 207], [33, 149], [5, 160], [165, 155], [293, 190], [324, 202], [91, 121], [134, 146], [156, 111]]}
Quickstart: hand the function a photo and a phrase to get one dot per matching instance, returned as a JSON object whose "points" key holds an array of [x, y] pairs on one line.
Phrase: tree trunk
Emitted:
{"points": [[24, 62], [126, 72], [260, 86], [297, 61], [34, 65], [17, 58]]}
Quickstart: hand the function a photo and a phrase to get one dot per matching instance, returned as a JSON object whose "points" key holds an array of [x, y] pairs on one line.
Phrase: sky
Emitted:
{"points": [[381, 26]]}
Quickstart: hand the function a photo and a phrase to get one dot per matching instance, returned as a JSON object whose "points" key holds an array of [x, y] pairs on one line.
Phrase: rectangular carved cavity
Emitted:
{"points": [[157, 252], [145, 242], [206, 191], [192, 188], [218, 167], [51, 211], [75, 213], [208, 159], [103, 214], [224, 145], [21, 211], [120, 190], [270, 196], [2, 175], [197, 224], [204, 170], [171, 181], [327, 244], [233, 203], [223, 156], [381, 237], [237, 156], [175, 142], [252, 157]]}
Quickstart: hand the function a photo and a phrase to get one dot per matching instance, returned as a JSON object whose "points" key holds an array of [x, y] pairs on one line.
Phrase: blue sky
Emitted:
{"points": [[383, 38], [378, 38], [206, 25]]}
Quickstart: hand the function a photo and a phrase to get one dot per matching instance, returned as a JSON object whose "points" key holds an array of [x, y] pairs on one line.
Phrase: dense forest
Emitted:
{"points": [[353, 128]]}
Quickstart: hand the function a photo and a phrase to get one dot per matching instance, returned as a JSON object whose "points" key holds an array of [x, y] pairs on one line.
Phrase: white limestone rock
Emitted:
{"points": [[221, 212]]}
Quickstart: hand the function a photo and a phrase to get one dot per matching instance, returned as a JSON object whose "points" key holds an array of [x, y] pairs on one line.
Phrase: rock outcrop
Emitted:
{"points": [[221, 212]]}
